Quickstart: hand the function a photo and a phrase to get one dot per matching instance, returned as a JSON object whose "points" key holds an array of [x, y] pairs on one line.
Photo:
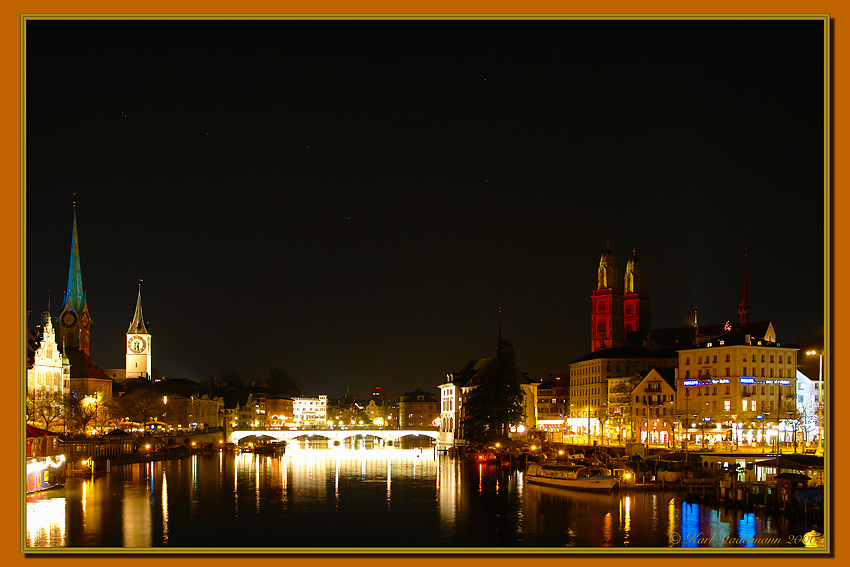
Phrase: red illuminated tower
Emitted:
{"points": [[607, 305], [635, 301]]}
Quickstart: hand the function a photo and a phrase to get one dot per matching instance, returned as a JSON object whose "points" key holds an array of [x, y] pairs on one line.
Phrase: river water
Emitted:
{"points": [[338, 498]]}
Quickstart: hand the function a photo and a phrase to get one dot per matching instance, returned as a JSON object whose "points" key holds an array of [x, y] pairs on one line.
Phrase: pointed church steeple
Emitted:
{"points": [[137, 326], [744, 306], [74, 294], [138, 356], [74, 322]]}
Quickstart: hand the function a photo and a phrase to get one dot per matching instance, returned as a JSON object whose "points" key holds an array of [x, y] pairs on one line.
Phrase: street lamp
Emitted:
{"points": [[819, 451]]}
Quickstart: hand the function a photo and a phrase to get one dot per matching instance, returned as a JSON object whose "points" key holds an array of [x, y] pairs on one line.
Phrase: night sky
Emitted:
{"points": [[353, 201]]}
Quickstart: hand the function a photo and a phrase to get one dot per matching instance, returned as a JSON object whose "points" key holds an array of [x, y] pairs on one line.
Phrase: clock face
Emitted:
{"points": [[69, 319], [85, 320], [136, 344]]}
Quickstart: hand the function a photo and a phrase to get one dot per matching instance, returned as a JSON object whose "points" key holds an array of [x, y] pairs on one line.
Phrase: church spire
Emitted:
{"points": [[75, 321], [74, 294], [744, 306], [137, 326]]}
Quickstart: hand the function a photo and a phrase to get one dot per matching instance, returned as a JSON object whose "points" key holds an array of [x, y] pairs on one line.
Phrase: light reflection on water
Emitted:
{"points": [[45, 520], [378, 498]]}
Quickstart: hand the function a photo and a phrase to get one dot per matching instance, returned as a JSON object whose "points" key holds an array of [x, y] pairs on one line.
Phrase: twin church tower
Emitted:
{"points": [[74, 330], [616, 311]]}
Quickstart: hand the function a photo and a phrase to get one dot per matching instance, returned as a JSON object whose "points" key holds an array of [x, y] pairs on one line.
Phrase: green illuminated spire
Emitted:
{"points": [[74, 295]]}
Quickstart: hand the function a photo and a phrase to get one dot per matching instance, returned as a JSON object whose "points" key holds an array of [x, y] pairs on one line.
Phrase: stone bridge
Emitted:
{"points": [[389, 436]]}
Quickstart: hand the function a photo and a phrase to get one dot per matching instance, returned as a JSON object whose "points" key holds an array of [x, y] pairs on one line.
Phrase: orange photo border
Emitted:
{"points": [[10, 121]]}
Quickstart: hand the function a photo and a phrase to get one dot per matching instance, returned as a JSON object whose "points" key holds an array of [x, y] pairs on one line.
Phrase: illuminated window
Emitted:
{"points": [[727, 405]]}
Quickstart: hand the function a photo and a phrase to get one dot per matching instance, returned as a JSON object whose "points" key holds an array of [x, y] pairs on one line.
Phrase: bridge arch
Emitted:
{"points": [[332, 434]]}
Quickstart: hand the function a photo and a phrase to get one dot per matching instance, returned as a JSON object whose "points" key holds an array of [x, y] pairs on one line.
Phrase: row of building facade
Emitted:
{"points": [[732, 383]]}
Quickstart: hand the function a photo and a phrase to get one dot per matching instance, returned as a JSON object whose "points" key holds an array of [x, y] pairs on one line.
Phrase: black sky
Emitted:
{"points": [[352, 201]]}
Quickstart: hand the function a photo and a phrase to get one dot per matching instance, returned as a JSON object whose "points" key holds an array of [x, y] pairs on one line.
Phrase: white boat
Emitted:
{"points": [[576, 477]]}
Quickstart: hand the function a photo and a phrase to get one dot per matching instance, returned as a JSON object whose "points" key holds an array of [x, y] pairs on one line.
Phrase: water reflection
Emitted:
{"points": [[164, 510], [342, 497], [45, 520], [136, 520]]}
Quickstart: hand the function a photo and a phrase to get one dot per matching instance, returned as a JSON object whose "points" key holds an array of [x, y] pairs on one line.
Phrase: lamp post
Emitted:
{"points": [[588, 425], [733, 445], [819, 451]]}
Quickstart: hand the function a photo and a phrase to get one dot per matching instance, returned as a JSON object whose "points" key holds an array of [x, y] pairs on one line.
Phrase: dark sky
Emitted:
{"points": [[353, 201]]}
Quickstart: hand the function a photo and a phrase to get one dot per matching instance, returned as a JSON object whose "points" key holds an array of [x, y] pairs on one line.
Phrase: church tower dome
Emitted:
{"points": [[633, 280], [607, 274]]}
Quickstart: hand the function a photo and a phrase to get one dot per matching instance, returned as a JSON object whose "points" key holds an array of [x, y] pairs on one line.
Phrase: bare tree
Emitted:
{"points": [[141, 404], [44, 407]]}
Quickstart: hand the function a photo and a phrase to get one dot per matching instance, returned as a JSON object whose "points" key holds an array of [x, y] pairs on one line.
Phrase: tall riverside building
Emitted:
{"points": [[743, 385]]}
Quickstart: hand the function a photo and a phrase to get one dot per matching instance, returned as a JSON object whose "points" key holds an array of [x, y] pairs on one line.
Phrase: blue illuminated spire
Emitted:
{"points": [[74, 295]]}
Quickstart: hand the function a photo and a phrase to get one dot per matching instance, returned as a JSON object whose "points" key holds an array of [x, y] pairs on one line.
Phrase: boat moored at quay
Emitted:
{"points": [[574, 477]]}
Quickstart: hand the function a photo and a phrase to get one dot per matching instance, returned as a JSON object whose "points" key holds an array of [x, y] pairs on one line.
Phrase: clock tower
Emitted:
{"points": [[138, 344], [75, 321]]}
